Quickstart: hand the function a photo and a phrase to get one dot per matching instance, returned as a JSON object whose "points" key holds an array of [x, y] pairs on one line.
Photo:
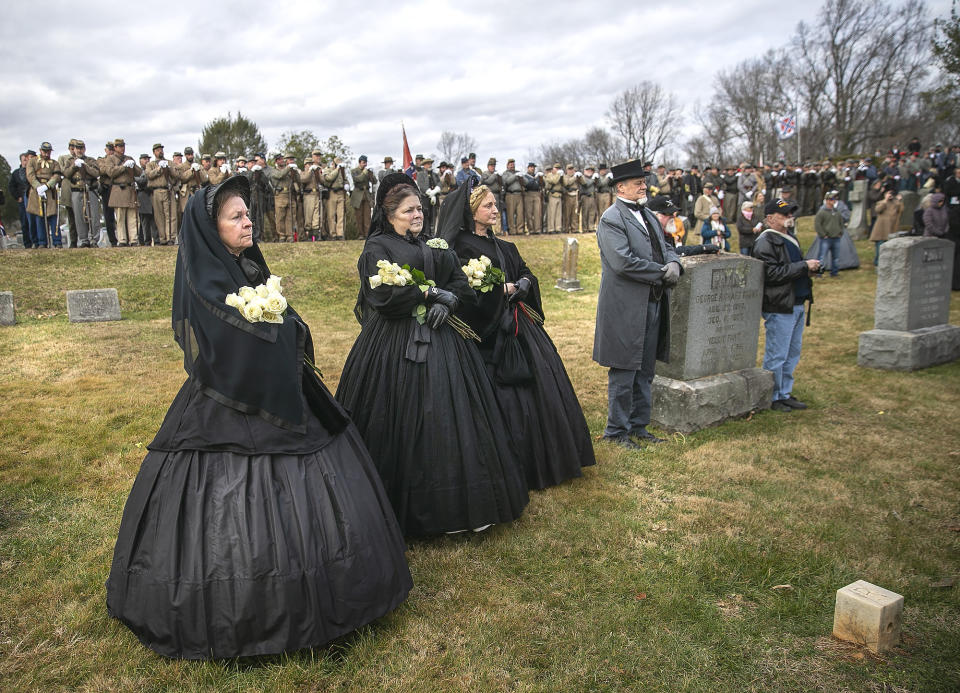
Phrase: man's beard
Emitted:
{"points": [[642, 200]]}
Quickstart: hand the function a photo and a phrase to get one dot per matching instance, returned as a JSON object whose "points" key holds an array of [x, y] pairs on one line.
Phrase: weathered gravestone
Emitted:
{"points": [[868, 615], [568, 272], [912, 307], [93, 305], [858, 227], [910, 202], [715, 327], [7, 315]]}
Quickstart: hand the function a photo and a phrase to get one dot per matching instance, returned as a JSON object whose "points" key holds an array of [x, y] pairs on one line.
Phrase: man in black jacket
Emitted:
{"points": [[786, 287], [18, 188]]}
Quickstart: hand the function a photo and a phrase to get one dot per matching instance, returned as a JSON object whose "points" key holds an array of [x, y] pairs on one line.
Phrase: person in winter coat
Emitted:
{"points": [[887, 214], [935, 222]]}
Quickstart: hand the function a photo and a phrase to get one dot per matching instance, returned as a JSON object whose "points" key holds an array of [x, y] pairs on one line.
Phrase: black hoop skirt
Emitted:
{"points": [[239, 538]]}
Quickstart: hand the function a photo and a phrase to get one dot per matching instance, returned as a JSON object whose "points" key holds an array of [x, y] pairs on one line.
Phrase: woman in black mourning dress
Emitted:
{"points": [[257, 523], [419, 393], [542, 409]]}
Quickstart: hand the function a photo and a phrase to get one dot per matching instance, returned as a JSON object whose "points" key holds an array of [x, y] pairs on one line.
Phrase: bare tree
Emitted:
{"points": [[599, 146], [569, 152], [453, 145], [645, 118]]}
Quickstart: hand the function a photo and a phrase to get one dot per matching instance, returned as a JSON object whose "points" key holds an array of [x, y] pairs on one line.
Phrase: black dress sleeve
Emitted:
{"points": [[389, 301]]}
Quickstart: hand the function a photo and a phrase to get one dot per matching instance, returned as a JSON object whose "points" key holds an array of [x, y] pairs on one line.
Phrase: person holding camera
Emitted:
{"points": [[887, 214], [786, 288]]}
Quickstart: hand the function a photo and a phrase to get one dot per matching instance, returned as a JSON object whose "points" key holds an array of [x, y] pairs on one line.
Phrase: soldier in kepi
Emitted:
{"points": [[448, 182], [192, 177], [44, 175], [261, 200], [513, 198], [361, 197], [604, 189], [109, 219], [571, 199], [66, 198], [162, 183], [220, 171], [286, 178], [83, 174], [588, 200], [335, 180], [553, 181], [387, 168], [311, 181]]}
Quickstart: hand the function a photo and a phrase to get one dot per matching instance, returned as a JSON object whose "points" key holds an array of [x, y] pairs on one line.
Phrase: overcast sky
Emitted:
{"points": [[513, 75]]}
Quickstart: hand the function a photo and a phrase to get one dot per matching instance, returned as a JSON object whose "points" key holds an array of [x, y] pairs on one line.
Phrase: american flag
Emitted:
{"points": [[786, 127]]}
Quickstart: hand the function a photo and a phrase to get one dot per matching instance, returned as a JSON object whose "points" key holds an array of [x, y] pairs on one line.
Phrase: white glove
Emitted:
{"points": [[749, 194], [42, 190], [595, 176], [347, 188], [78, 163], [195, 166], [539, 174], [609, 175], [720, 195], [163, 163], [224, 168], [431, 193], [314, 167], [578, 175], [293, 165], [689, 198], [257, 167], [130, 163], [434, 190]]}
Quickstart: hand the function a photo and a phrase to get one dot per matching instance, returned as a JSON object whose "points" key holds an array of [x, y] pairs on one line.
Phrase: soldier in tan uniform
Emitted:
{"points": [[335, 180], [122, 170], [219, 171], [513, 197], [192, 177], [588, 200], [83, 174], [162, 181], [361, 197], [109, 219], [66, 199], [448, 181], [311, 181], [285, 179], [43, 175], [532, 200], [553, 181], [604, 189], [571, 199]]}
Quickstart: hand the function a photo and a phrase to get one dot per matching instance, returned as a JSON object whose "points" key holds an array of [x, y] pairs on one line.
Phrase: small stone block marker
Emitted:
{"points": [[568, 272], [868, 615], [7, 316], [93, 305]]}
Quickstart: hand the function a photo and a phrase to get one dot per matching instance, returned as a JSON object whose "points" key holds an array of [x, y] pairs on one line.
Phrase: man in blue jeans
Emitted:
{"points": [[829, 227], [786, 288]]}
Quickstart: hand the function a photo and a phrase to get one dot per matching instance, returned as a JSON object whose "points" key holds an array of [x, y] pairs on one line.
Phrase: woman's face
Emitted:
{"points": [[715, 216], [408, 217], [234, 225], [486, 213]]}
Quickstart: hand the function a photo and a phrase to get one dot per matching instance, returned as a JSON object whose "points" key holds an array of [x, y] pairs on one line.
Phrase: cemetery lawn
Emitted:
{"points": [[709, 563]]}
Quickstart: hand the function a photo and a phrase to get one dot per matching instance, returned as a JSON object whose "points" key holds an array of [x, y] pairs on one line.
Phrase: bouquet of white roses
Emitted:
{"points": [[391, 274], [264, 303], [482, 275]]}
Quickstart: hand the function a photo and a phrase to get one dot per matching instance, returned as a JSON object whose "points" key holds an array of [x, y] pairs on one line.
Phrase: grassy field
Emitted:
{"points": [[706, 564]]}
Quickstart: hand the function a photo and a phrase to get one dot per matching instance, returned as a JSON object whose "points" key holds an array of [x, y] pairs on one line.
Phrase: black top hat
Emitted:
{"points": [[627, 170]]}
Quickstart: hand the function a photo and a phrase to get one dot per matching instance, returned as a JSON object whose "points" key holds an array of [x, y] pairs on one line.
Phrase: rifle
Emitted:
{"points": [[291, 201], [171, 201]]}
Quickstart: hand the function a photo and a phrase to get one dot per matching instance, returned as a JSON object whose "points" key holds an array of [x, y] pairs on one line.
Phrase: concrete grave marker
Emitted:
{"points": [[715, 328], [7, 314], [93, 305], [568, 272], [912, 307], [868, 615]]}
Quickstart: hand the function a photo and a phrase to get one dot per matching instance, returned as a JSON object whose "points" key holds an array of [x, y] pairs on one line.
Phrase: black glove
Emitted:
{"points": [[521, 289], [443, 297], [437, 314]]}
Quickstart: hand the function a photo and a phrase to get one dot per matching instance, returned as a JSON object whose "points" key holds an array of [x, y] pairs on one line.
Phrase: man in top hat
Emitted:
{"points": [[604, 189], [43, 175], [571, 199], [361, 197], [786, 288], [311, 187], [387, 168], [192, 177], [163, 182], [83, 174], [66, 197], [220, 170], [109, 218], [336, 181], [588, 199], [633, 306], [513, 198], [553, 185], [492, 180]]}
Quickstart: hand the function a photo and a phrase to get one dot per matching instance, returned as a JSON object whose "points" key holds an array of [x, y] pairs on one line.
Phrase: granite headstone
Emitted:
{"points": [[912, 307], [93, 305], [568, 271], [858, 227], [7, 314], [714, 332]]}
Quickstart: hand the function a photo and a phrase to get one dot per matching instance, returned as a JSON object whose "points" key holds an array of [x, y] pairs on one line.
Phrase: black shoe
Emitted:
{"points": [[647, 437], [622, 441], [794, 403], [781, 405]]}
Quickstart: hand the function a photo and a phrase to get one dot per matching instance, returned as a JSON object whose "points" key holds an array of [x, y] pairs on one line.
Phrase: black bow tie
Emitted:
{"points": [[632, 206]]}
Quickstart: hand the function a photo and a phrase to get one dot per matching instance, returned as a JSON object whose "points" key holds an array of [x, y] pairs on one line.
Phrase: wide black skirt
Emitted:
{"points": [[545, 417], [223, 554], [433, 428]]}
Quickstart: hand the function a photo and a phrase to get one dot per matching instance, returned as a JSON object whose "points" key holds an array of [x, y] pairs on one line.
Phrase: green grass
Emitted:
{"points": [[653, 572]]}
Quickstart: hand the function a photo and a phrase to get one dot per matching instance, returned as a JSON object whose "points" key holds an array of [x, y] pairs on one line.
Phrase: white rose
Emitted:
{"points": [[273, 283], [262, 291], [235, 301], [270, 316], [485, 261], [247, 293], [401, 280], [479, 274], [253, 311], [383, 264], [375, 281], [276, 303]]}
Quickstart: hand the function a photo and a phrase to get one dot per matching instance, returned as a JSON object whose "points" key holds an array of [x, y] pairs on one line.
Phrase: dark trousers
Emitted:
{"points": [[147, 230], [72, 227], [111, 223], [25, 234], [628, 391]]}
